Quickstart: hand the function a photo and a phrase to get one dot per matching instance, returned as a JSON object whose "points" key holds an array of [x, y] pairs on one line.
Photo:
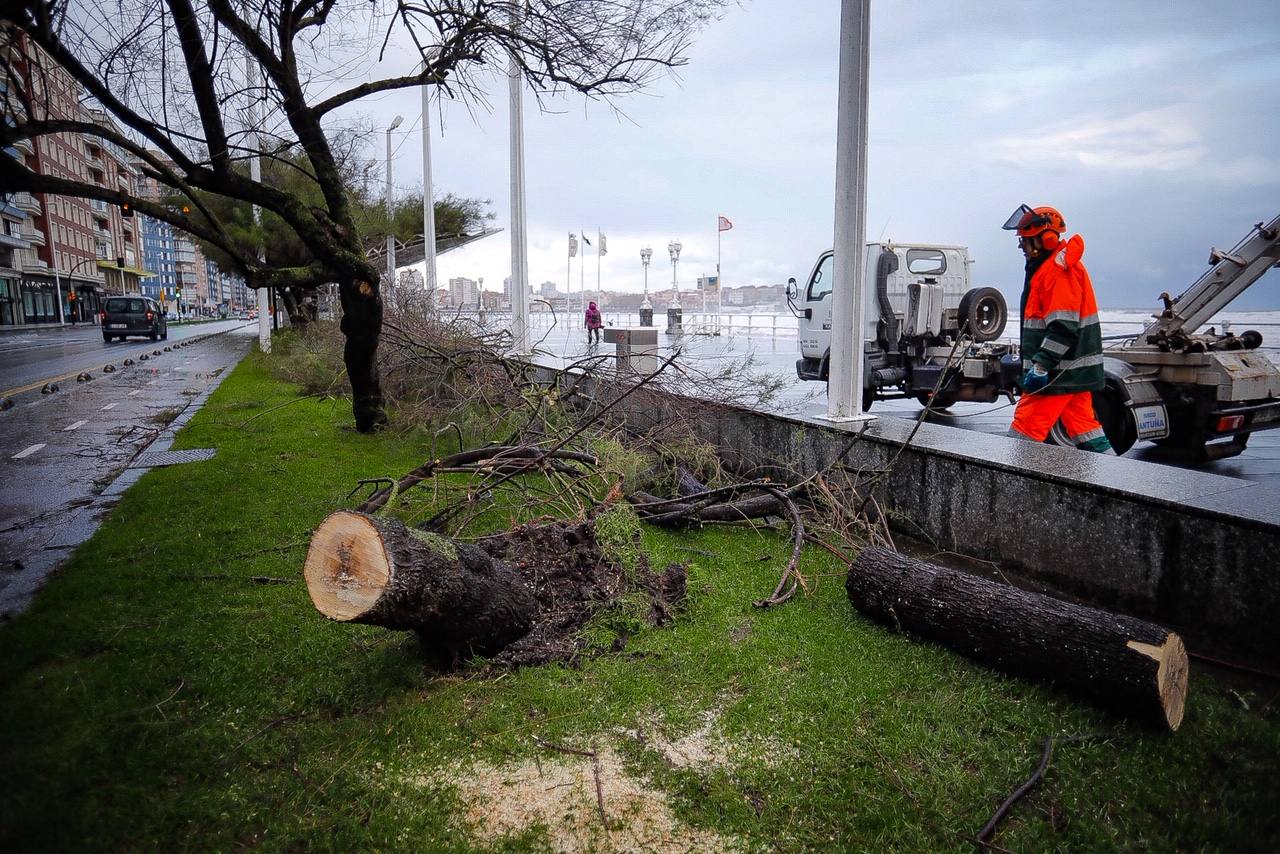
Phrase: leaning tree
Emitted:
{"points": [[200, 86]]}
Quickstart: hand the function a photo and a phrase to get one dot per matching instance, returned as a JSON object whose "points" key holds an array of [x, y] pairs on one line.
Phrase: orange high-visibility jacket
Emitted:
{"points": [[1060, 327]]}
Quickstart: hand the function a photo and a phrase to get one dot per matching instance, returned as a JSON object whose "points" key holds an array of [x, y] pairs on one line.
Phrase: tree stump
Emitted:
{"points": [[1126, 664], [459, 599]]}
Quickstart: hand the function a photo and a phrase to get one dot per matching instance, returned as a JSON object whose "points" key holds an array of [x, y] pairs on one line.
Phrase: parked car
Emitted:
{"points": [[124, 316]]}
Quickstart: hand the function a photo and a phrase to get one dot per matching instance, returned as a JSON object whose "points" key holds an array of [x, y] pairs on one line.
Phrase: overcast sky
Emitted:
{"points": [[1153, 126]]}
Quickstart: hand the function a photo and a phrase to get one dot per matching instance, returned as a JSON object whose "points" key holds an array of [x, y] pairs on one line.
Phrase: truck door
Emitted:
{"points": [[815, 327]]}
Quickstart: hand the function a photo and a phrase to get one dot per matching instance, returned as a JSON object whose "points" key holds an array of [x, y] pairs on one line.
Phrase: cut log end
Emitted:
{"points": [[347, 566], [1171, 675]]}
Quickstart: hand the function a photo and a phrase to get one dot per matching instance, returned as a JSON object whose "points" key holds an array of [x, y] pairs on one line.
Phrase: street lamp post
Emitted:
{"points": [[675, 316], [646, 307], [391, 237]]}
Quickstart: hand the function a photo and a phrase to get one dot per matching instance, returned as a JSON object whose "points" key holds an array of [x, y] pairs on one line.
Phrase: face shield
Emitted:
{"points": [[1024, 217]]}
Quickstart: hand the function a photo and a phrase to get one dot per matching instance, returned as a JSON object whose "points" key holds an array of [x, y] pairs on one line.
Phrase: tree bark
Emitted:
{"points": [[362, 324], [460, 600], [1126, 664]]}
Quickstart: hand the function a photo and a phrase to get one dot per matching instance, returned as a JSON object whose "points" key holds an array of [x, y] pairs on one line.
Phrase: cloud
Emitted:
{"points": [[1163, 140]]}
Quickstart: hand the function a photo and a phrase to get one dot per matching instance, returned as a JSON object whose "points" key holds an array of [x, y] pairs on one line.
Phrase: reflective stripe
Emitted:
{"points": [[1082, 362], [1088, 436], [1091, 320], [1061, 258], [1056, 347], [1071, 316], [1033, 323], [1027, 364]]}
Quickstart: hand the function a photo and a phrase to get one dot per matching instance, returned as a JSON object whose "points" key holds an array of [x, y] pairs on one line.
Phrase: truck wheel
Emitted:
{"points": [[984, 313]]}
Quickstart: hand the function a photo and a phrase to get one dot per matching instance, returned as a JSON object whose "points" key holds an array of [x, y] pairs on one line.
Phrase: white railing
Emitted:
{"points": [[766, 325]]}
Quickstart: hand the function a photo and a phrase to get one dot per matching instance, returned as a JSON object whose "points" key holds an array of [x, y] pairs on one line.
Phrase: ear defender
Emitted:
{"points": [[1050, 239]]}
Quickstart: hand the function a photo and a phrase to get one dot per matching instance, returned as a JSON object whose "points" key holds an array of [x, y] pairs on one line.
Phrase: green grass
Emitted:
{"points": [[154, 697]]}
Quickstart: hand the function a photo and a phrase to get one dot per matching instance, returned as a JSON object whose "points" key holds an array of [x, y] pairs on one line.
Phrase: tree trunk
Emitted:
{"points": [[460, 601], [1127, 664], [293, 305], [362, 324]]}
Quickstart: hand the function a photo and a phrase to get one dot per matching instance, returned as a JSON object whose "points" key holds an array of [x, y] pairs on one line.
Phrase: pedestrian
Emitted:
{"points": [[1061, 339], [594, 322]]}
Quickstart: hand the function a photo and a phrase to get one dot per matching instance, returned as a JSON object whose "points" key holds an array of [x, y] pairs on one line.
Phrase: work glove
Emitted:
{"points": [[1034, 379]]}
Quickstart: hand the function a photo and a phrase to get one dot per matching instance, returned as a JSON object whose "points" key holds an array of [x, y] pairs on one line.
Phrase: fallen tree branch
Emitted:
{"points": [[984, 836]]}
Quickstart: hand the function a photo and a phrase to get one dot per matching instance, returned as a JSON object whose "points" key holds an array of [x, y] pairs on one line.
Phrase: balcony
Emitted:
{"points": [[35, 237], [105, 251], [27, 202], [98, 206], [24, 145]]}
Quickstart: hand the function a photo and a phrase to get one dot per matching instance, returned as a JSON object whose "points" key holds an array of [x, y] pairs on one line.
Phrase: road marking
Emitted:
{"points": [[75, 426], [28, 452], [108, 406], [135, 392], [151, 382]]}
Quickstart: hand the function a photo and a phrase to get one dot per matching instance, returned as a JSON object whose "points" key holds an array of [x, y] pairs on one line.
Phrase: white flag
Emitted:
{"points": [[573, 245], [603, 250]]}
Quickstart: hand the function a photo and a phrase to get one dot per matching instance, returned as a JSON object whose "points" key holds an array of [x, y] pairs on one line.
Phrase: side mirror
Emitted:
{"points": [[791, 287]]}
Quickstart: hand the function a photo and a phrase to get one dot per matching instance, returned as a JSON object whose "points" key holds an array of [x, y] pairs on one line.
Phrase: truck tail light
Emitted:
{"points": [[1228, 423], [150, 317], [102, 315]]}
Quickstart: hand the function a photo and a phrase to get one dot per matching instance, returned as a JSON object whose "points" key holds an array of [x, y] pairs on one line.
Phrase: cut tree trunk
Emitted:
{"points": [[1126, 664], [460, 600], [362, 324]]}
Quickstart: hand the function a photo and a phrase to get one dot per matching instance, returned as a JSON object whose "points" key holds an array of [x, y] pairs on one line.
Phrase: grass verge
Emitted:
{"points": [[156, 696]]}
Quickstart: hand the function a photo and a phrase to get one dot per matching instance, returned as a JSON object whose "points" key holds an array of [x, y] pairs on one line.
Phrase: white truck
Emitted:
{"points": [[1198, 394]]}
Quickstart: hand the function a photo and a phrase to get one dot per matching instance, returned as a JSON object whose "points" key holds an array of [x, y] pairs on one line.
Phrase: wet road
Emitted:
{"points": [[58, 452], [36, 356]]}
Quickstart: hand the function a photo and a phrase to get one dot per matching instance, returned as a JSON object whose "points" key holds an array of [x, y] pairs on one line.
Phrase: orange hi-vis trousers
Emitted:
{"points": [[1036, 414]]}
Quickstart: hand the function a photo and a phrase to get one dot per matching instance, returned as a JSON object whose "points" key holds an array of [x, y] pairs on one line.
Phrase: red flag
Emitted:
{"points": [[725, 225]]}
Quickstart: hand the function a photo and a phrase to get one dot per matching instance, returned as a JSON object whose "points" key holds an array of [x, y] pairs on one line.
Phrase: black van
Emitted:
{"points": [[122, 316]]}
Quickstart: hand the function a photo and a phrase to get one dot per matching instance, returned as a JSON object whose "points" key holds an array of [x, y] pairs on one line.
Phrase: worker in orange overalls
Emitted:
{"points": [[1061, 337]]}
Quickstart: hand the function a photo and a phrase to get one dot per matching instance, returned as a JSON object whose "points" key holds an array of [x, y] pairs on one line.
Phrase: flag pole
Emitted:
{"points": [[599, 293], [582, 277], [719, 284]]}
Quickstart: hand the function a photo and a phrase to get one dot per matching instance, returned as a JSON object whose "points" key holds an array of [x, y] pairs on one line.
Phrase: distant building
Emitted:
{"points": [[548, 290], [411, 280], [463, 292], [491, 300]]}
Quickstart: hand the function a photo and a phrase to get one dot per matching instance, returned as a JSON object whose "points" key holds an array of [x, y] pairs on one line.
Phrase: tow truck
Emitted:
{"points": [[931, 336]]}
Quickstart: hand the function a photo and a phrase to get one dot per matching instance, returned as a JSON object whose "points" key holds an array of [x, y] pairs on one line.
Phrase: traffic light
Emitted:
{"points": [[126, 209]]}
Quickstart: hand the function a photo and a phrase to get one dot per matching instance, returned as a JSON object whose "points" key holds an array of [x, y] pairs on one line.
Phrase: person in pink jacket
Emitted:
{"points": [[594, 323]]}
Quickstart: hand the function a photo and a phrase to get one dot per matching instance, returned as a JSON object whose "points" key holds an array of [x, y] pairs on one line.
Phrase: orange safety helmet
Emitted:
{"points": [[1032, 222], [1029, 221]]}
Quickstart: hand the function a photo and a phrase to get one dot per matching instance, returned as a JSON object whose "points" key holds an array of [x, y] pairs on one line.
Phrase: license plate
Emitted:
{"points": [[1153, 421], [119, 326]]}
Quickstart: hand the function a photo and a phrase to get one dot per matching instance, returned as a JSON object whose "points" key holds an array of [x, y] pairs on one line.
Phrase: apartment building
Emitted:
{"points": [[61, 255]]}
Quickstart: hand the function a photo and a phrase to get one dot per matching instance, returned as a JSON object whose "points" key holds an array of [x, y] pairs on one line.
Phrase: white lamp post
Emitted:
{"points": [[844, 390], [646, 307], [391, 238], [675, 322], [428, 203]]}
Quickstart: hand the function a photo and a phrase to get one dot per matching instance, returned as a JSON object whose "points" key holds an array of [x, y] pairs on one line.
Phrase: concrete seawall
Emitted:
{"points": [[1197, 552]]}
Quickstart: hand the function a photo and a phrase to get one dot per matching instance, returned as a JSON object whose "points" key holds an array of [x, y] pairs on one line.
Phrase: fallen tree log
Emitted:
{"points": [[1126, 664], [460, 600], [520, 597]]}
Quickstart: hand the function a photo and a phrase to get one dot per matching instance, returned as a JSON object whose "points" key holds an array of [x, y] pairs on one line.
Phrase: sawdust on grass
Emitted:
{"points": [[558, 793]]}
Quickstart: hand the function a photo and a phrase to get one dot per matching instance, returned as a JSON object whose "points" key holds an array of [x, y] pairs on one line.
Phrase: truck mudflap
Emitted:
{"points": [[810, 369]]}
